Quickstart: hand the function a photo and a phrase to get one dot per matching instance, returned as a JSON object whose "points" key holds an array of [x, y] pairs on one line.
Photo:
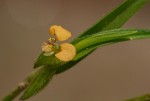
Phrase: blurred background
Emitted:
{"points": [[111, 73]]}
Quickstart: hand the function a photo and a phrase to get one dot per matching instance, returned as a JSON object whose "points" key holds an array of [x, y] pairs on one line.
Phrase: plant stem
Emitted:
{"points": [[21, 86], [13, 94]]}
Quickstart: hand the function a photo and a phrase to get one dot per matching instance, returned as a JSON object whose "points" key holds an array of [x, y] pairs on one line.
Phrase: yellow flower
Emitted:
{"points": [[67, 53], [61, 33]]}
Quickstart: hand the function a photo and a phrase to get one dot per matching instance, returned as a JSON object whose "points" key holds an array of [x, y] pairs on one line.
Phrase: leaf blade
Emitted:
{"points": [[102, 39], [140, 98], [130, 6], [116, 18], [40, 81]]}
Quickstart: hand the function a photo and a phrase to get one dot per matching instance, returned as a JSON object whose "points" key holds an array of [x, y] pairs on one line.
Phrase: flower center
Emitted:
{"points": [[64, 52]]}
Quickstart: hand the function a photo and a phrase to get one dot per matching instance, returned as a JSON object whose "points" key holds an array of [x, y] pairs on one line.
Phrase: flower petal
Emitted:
{"points": [[46, 47], [64, 55], [69, 47], [61, 33], [67, 53]]}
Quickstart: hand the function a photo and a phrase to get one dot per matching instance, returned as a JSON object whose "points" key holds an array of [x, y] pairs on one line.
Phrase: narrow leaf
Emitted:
{"points": [[92, 42], [141, 98], [108, 37], [113, 20], [39, 82], [116, 18]]}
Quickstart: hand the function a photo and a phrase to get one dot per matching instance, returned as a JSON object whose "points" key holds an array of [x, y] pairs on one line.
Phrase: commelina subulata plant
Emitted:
{"points": [[56, 58]]}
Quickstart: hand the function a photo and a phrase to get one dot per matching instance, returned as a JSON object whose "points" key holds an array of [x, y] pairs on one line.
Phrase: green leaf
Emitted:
{"points": [[46, 60], [116, 18], [141, 98], [39, 82], [94, 41], [86, 45], [113, 20]]}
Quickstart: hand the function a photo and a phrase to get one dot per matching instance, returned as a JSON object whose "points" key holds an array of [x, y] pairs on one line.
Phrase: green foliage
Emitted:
{"points": [[104, 32], [91, 42], [141, 98], [40, 80], [116, 18], [47, 60], [11, 96], [113, 20]]}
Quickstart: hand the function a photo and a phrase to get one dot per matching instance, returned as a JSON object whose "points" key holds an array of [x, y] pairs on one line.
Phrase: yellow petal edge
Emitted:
{"points": [[67, 53], [61, 33]]}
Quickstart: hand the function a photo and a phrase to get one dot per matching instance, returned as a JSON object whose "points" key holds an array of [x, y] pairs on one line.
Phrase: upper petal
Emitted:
{"points": [[61, 33]]}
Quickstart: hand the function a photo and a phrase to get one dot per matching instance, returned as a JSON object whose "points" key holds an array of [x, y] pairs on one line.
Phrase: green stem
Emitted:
{"points": [[13, 94], [21, 86]]}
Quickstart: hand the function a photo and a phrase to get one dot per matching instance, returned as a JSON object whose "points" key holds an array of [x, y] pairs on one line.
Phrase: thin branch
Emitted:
{"points": [[21, 86]]}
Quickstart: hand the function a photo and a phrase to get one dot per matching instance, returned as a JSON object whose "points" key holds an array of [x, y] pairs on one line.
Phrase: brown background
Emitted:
{"points": [[111, 73]]}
